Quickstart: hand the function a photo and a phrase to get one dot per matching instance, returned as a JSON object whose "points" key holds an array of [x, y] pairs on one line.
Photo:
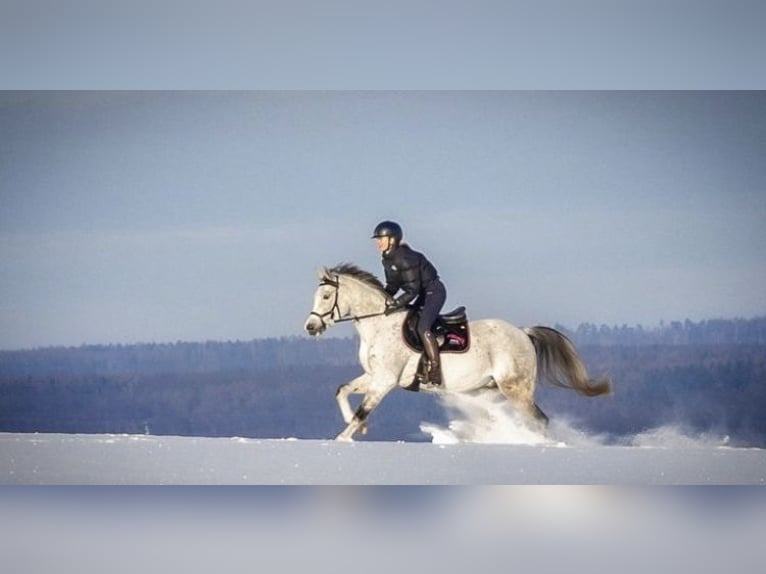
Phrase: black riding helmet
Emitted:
{"points": [[388, 229]]}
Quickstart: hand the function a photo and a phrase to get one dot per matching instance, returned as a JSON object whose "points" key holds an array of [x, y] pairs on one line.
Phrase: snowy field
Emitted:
{"points": [[147, 460], [567, 502], [484, 444]]}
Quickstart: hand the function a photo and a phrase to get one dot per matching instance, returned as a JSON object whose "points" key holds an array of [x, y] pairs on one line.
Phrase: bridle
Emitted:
{"points": [[335, 307]]}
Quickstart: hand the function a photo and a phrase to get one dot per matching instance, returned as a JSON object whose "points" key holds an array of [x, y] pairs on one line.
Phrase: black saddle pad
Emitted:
{"points": [[450, 329]]}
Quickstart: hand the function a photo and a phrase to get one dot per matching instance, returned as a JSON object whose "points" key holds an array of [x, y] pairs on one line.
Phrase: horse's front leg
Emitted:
{"points": [[357, 422], [357, 386]]}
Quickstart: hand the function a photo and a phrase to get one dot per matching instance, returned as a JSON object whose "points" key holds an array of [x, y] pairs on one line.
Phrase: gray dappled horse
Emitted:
{"points": [[500, 357]]}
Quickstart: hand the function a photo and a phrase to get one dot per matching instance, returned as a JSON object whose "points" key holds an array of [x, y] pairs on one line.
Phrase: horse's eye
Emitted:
{"points": [[326, 296]]}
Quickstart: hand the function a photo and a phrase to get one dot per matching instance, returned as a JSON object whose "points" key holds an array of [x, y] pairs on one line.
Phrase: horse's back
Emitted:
{"points": [[501, 334]]}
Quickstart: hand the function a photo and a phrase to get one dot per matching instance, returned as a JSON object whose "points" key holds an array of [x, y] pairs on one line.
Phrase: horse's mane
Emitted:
{"points": [[360, 274]]}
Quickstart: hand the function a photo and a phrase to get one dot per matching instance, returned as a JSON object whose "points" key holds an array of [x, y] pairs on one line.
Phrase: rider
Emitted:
{"points": [[411, 272]]}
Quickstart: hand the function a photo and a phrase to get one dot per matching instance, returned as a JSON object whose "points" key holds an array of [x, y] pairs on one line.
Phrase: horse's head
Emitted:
{"points": [[345, 292], [326, 307]]}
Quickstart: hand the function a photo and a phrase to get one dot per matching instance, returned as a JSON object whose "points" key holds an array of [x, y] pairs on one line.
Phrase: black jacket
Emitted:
{"points": [[409, 271]]}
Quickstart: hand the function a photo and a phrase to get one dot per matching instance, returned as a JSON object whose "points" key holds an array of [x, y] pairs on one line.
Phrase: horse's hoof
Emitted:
{"points": [[363, 428], [341, 438]]}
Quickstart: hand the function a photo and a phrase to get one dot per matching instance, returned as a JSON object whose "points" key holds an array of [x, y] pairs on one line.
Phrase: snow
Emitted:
{"points": [[485, 443], [575, 503], [146, 460]]}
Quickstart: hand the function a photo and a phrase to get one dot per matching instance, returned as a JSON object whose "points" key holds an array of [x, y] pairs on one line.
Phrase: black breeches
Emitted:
{"points": [[433, 301]]}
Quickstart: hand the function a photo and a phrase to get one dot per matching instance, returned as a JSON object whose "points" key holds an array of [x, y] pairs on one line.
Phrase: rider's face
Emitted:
{"points": [[382, 243]]}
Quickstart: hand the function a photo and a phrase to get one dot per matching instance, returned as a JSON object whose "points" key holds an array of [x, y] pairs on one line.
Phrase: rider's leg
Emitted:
{"points": [[431, 347], [434, 300]]}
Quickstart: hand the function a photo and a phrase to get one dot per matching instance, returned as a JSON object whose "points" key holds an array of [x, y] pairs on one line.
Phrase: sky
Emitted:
{"points": [[164, 216], [369, 44]]}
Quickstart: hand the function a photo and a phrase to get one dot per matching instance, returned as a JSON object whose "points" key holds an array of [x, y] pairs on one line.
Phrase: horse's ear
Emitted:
{"points": [[323, 273]]}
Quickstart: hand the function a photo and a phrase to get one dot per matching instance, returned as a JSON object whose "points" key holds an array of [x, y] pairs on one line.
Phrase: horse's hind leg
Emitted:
{"points": [[540, 415], [520, 392], [529, 408]]}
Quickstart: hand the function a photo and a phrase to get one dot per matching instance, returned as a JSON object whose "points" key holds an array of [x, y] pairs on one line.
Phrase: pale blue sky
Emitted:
{"points": [[374, 44], [159, 216]]}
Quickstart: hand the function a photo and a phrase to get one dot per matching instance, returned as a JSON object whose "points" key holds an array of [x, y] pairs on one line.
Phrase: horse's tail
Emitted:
{"points": [[558, 362]]}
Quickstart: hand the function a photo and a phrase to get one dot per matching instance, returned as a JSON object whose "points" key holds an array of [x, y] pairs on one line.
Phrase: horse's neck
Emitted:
{"points": [[362, 301], [366, 329], [365, 301], [378, 334]]}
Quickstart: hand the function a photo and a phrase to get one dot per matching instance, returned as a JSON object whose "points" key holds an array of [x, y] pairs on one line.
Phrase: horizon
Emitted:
{"points": [[662, 325]]}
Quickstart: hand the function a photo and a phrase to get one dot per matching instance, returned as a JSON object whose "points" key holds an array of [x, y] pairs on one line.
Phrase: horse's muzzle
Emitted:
{"points": [[314, 326]]}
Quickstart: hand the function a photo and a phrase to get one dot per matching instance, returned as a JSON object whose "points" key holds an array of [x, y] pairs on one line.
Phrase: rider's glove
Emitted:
{"points": [[392, 306]]}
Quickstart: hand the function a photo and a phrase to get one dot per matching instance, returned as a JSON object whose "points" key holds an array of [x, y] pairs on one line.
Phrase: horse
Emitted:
{"points": [[501, 357]]}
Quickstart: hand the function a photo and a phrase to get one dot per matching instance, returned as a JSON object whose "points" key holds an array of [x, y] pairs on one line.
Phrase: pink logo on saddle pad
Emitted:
{"points": [[455, 339]]}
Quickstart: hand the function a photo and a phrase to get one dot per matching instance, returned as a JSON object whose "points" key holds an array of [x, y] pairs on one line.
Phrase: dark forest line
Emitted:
{"points": [[264, 354], [708, 332]]}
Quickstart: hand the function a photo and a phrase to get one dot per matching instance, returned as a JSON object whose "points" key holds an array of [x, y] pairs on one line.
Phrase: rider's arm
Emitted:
{"points": [[409, 274]]}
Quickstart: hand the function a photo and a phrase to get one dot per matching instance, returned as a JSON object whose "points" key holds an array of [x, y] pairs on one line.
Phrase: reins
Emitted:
{"points": [[331, 312], [358, 317]]}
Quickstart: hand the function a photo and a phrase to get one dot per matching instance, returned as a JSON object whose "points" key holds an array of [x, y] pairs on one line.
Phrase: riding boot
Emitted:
{"points": [[431, 347]]}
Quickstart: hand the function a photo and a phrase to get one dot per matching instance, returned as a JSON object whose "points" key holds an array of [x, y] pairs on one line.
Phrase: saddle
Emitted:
{"points": [[450, 330]]}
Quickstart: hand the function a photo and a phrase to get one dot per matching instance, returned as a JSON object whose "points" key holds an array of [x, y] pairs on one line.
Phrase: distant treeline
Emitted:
{"points": [[711, 332], [289, 401], [265, 354], [704, 377], [179, 358]]}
